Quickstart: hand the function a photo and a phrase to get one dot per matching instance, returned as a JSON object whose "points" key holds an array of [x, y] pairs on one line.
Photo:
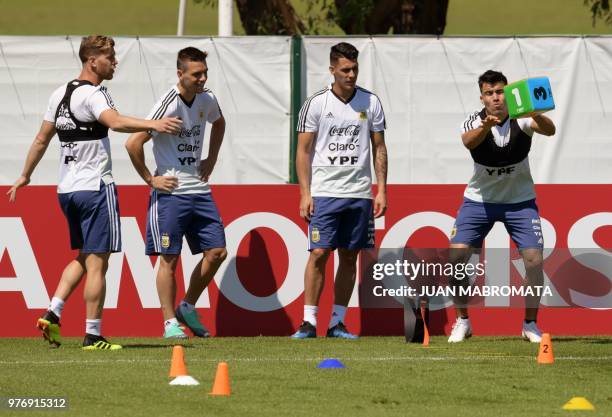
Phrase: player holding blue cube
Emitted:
{"points": [[501, 188], [528, 97]]}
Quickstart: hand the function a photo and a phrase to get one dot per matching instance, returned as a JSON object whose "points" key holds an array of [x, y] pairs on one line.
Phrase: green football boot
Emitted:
{"points": [[50, 328], [94, 342]]}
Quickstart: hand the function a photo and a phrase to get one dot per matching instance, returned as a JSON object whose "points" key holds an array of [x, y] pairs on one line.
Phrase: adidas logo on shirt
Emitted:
{"points": [[329, 115]]}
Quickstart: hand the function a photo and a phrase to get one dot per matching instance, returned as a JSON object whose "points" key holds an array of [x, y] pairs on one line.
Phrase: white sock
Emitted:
{"points": [[93, 327], [310, 314], [338, 313], [186, 306], [170, 322], [56, 306]]}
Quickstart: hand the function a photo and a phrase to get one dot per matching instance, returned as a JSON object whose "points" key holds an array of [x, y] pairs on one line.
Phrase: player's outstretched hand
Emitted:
{"points": [[306, 207], [380, 205], [162, 183], [171, 125], [490, 121], [12, 192], [206, 168]]}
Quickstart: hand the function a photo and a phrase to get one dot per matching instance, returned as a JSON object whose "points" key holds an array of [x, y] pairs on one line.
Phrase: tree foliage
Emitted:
{"points": [[391, 16], [278, 17], [600, 10]]}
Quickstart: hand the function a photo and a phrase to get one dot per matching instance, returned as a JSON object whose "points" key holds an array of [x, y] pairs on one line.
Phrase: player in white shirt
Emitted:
{"points": [[81, 112], [501, 189], [339, 127], [181, 203]]}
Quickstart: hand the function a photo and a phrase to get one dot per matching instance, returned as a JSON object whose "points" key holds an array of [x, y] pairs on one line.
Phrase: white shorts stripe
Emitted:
{"points": [[116, 220], [153, 222], [111, 202], [110, 217]]}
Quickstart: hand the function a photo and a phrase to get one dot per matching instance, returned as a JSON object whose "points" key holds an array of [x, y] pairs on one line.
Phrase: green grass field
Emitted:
{"points": [[159, 17], [273, 376]]}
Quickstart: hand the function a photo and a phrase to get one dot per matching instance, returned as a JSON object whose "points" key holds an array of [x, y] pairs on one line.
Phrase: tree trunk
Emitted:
{"points": [[269, 17], [422, 17]]}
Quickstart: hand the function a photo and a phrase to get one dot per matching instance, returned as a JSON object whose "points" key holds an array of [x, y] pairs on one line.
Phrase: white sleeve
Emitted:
{"points": [[310, 115], [52, 107], [472, 122], [99, 102], [525, 125], [214, 111], [377, 123], [165, 107]]}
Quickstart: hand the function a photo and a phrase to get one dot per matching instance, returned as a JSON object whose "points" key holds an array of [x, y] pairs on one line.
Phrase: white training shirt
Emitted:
{"points": [[341, 157], [180, 155], [501, 184], [83, 164]]}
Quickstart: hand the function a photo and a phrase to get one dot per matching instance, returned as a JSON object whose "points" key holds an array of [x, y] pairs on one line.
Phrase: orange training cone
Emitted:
{"points": [[177, 365], [221, 385], [425, 330], [545, 354]]}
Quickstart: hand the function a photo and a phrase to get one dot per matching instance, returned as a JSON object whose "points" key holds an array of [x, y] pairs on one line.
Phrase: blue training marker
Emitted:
{"points": [[330, 364]]}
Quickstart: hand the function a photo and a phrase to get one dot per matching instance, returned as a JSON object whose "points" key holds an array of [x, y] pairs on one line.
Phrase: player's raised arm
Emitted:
{"points": [[543, 125], [125, 124], [302, 166], [35, 154], [474, 137], [135, 148]]}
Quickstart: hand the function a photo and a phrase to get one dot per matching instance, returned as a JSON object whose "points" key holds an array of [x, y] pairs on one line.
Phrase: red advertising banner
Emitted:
{"points": [[258, 290]]}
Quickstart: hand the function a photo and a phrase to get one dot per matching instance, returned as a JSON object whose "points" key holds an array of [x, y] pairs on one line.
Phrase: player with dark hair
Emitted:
{"points": [[501, 189], [337, 128], [181, 202]]}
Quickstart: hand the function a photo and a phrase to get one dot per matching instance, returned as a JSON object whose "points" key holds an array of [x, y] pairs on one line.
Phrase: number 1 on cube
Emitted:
{"points": [[517, 96]]}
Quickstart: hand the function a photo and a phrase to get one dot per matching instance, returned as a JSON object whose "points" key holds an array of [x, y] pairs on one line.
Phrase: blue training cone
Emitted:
{"points": [[330, 364]]}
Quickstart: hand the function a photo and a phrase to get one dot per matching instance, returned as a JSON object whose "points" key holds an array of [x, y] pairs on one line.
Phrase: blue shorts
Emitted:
{"points": [[172, 216], [93, 219], [341, 223], [475, 220]]}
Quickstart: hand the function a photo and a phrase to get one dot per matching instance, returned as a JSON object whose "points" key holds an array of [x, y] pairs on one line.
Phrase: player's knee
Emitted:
{"points": [[168, 263], [459, 255], [533, 260], [319, 254], [216, 256]]}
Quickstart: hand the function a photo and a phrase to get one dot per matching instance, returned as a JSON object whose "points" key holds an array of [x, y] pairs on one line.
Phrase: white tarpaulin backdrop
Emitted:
{"points": [[427, 86]]}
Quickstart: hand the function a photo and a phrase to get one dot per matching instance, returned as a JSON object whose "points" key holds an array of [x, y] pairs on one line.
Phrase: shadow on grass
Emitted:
{"points": [[586, 339], [152, 346]]}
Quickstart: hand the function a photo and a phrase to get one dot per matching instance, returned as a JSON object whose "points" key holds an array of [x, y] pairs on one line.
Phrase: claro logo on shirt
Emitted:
{"points": [[188, 147]]}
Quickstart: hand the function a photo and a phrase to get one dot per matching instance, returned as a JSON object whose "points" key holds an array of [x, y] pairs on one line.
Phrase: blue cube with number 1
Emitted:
{"points": [[528, 97]]}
